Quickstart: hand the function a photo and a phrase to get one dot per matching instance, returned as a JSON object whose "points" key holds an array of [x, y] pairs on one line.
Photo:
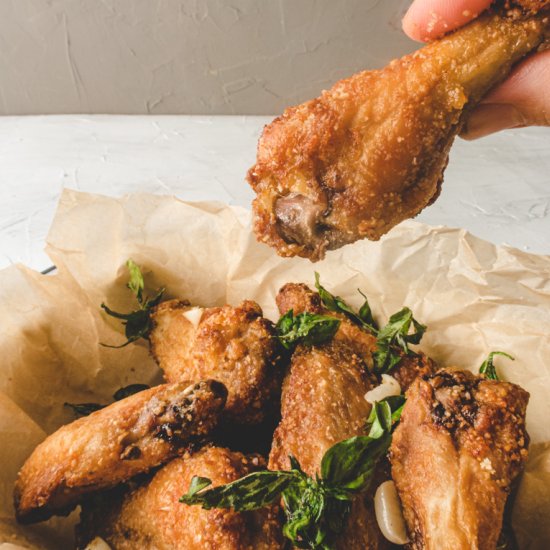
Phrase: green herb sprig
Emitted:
{"points": [[391, 341], [394, 338], [138, 322], [363, 317], [308, 328], [488, 367], [84, 409], [316, 508]]}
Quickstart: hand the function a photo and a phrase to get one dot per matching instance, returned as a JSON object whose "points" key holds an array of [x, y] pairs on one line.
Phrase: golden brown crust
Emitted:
{"points": [[371, 151], [459, 446], [114, 444], [234, 345], [172, 337], [322, 403], [410, 367], [532, 6], [152, 517]]}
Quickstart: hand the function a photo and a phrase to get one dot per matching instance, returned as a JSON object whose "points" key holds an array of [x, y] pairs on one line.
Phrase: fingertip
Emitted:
{"points": [[490, 118], [430, 19], [411, 26]]}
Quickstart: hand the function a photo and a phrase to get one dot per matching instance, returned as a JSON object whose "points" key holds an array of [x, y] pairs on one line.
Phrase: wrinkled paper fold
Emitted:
{"points": [[475, 297]]}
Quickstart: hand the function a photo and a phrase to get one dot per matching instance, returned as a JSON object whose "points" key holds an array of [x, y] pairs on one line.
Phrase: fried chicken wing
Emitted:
{"points": [[112, 445], [234, 345], [459, 446], [371, 151], [323, 402], [152, 517]]}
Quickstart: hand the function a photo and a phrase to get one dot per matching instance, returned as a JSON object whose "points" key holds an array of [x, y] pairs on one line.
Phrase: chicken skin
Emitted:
{"points": [[323, 402], [459, 446], [112, 445], [371, 151], [234, 345], [152, 517]]}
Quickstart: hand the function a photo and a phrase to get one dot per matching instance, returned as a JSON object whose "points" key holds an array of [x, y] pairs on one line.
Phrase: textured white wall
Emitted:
{"points": [[187, 56]]}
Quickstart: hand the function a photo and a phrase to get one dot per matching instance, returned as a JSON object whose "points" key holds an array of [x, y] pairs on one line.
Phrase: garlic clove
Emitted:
{"points": [[388, 387], [98, 544], [194, 315], [389, 515]]}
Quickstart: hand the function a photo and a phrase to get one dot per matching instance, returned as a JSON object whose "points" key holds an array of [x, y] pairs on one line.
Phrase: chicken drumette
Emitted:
{"points": [[234, 345], [459, 446], [151, 516], [114, 444], [371, 151]]}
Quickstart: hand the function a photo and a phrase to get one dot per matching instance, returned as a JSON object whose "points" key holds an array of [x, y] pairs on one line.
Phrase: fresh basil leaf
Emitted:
{"points": [[349, 465], [337, 304], [83, 409], [251, 492], [365, 313], [152, 302], [198, 484], [294, 464], [381, 419], [285, 324], [135, 283], [488, 368], [115, 314], [137, 323], [396, 414], [394, 339], [126, 391], [384, 414], [307, 508], [306, 328]]}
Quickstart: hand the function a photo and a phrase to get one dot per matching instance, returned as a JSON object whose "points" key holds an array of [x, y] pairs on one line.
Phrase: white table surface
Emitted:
{"points": [[498, 188]]}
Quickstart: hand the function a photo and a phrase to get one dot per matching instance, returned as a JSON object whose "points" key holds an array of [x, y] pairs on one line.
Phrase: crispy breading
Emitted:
{"points": [[459, 446], [112, 445], [152, 517], [172, 337], [234, 345], [371, 151], [323, 402]]}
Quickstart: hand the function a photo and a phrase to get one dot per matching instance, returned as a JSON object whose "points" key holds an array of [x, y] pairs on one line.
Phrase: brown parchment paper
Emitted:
{"points": [[474, 297]]}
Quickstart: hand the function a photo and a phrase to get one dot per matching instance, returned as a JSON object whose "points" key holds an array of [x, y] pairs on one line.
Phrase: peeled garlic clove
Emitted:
{"points": [[98, 544], [389, 516], [194, 315], [388, 387]]}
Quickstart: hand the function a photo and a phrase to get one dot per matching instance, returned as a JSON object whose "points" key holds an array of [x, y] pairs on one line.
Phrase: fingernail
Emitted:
{"points": [[489, 118]]}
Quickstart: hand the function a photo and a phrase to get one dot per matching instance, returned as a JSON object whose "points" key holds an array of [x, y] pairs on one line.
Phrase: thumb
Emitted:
{"points": [[522, 100]]}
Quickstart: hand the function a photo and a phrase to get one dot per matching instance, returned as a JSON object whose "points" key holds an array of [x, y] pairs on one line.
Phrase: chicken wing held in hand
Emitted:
{"points": [[371, 151], [114, 444], [151, 516], [459, 446]]}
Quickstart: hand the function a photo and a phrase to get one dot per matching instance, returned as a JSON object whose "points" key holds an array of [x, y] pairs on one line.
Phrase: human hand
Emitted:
{"points": [[522, 100]]}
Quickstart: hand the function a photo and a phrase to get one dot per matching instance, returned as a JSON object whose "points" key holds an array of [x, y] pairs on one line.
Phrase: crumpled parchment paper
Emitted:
{"points": [[475, 297]]}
